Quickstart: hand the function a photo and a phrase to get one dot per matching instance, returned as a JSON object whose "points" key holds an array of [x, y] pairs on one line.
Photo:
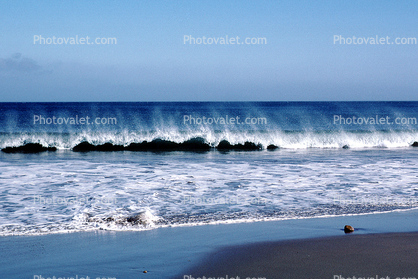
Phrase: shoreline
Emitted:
{"points": [[215, 223], [167, 252]]}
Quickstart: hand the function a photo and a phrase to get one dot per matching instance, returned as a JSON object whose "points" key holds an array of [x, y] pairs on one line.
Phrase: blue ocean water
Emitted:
{"points": [[285, 124], [329, 158]]}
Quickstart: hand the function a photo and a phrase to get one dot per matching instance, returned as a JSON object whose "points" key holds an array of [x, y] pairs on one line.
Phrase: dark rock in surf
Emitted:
{"points": [[346, 147], [162, 145], [348, 229], [109, 147], [415, 144], [135, 146], [83, 147], [136, 219], [155, 145], [195, 144], [86, 147], [248, 146], [224, 145], [28, 148], [272, 147]]}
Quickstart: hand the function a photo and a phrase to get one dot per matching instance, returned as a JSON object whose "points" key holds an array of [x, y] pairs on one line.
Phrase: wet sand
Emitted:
{"points": [[259, 247], [393, 255]]}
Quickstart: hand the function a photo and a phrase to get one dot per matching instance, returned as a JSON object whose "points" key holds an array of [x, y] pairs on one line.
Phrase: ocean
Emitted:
{"points": [[141, 166]]}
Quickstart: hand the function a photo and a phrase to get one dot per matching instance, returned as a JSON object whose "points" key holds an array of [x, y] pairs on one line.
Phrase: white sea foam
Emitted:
{"points": [[68, 191]]}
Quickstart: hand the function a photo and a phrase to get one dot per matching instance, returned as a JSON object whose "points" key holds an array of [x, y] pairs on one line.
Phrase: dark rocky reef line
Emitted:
{"points": [[157, 145], [28, 148], [195, 144]]}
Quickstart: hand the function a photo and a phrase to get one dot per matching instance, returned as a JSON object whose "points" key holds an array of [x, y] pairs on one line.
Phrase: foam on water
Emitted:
{"points": [[310, 175], [65, 191]]}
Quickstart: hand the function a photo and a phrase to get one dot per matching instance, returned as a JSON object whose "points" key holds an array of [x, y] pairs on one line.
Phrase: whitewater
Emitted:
{"points": [[152, 170]]}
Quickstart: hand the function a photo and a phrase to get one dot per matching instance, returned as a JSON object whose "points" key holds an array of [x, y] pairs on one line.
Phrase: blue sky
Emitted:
{"points": [[150, 61]]}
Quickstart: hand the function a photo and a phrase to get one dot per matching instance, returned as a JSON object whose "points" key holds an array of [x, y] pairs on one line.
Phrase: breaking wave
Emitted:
{"points": [[199, 141]]}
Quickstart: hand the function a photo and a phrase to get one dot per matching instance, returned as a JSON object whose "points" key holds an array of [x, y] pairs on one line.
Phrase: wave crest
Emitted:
{"points": [[197, 141]]}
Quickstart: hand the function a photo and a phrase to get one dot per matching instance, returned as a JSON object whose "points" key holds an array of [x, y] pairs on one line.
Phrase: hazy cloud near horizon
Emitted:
{"points": [[16, 62]]}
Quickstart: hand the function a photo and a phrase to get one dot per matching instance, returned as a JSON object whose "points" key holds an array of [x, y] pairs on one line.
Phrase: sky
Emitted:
{"points": [[298, 57]]}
